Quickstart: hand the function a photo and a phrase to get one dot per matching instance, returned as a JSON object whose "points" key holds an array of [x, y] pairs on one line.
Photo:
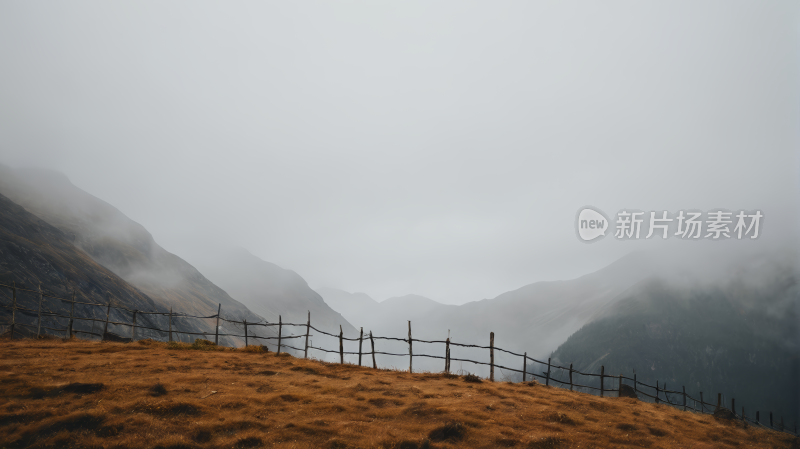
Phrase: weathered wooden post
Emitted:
{"points": [[447, 355], [13, 307], [702, 405], [410, 352], [108, 313], [216, 329], [308, 330], [524, 366], [72, 316], [733, 405], [635, 388], [360, 340], [41, 297], [133, 328], [619, 385], [757, 417], [245, 334], [602, 375], [684, 398], [491, 356], [570, 377], [170, 324], [341, 345], [280, 332], [547, 374], [657, 391], [372, 343]]}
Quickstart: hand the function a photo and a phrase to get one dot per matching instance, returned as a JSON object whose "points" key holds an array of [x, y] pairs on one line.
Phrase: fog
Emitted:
{"points": [[410, 148]]}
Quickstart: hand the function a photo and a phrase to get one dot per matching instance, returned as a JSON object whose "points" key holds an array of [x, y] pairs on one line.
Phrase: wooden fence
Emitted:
{"points": [[658, 393]]}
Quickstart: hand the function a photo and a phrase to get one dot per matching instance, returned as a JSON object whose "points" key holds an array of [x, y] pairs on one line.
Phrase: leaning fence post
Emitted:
{"points": [[547, 378], [308, 330], [170, 324], [372, 343], [41, 297], [13, 307], [447, 355], [280, 333], [570, 377], [524, 365], [133, 328], [602, 375], [341, 345], [491, 356], [360, 340], [245, 334], [108, 313], [684, 398], [216, 329], [410, 353]]}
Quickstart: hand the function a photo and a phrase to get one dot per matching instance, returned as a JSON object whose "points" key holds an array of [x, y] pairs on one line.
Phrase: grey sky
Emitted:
{"points": [[435, 148]]}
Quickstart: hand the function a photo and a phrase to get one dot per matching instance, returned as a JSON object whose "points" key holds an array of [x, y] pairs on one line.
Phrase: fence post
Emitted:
{"points": [[280, 332], [360, 340], [491, 356], [71, 316], [657, 399], [308, 330], [133, 328], [341, 345], [570, 377], [702, 405], [13, 307], [733, 405], [41, 297], [372, 343], [170, 324], [619, 385], [410, 353], [447, 355], [635, 387], [245, 334], [757, 417], [524, 365], [216, 329], [547, 374], [684, 398], [602, 376], [108, 313]]}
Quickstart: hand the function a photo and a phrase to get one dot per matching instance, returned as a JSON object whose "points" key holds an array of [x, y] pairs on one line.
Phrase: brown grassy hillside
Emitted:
{"points": [[145, 395]]}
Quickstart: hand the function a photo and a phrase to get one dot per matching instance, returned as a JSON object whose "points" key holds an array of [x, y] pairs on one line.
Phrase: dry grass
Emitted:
{"points": [[149, 396]]}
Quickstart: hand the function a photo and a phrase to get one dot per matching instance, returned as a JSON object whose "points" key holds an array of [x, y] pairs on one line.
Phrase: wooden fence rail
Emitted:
{"points": [[699, 406]]}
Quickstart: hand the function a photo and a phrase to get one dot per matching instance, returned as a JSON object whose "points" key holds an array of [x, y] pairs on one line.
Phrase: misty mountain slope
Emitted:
{"points": [[33, 252], [535, 318], [270, 290], [117, 242], [730, 336]]}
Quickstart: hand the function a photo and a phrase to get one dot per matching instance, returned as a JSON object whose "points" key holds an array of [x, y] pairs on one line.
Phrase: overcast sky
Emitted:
{"points": [[436, 148]]}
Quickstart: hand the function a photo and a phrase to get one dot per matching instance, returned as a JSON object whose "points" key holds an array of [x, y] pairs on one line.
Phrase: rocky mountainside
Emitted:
{"points": [[118, 243], [738, 335]]}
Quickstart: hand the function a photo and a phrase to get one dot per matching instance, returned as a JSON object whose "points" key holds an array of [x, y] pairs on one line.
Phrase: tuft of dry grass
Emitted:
{"points": [[151, 394]]}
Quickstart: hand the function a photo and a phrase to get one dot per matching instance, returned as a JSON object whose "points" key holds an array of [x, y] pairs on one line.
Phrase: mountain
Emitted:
{"points": [[535, 318], [270, 291], [34, 253], [738, 335], [118, 243]]}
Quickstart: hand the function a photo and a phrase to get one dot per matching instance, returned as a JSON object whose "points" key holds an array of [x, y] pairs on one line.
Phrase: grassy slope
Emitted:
{"points": [[265, 400]]}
